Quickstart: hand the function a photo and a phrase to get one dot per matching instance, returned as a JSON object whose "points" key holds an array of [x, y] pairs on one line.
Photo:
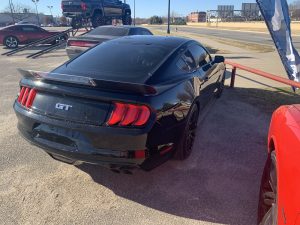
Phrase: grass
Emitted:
{"points": [[181, 34], [267, 100], [239, 44]]}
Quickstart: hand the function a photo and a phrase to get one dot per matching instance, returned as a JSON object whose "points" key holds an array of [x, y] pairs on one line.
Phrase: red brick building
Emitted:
{"points": [[197, 17]]}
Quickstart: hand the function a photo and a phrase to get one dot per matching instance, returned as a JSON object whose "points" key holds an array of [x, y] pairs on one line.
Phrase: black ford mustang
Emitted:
{"points": [[130, 102]]}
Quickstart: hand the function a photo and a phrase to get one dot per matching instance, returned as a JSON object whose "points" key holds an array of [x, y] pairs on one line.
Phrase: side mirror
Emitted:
{"points": [[219, 59]]}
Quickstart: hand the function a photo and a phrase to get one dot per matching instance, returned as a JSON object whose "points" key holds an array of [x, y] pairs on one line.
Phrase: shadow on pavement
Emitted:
{"points": [[220, 181]]}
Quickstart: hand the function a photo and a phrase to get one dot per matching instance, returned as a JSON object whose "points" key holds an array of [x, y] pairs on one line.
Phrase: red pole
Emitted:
{"points": [[264, 74], [233, 73]]}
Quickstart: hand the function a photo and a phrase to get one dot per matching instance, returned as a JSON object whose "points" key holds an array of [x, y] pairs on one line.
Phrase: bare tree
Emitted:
{"points": [[18, 11]]}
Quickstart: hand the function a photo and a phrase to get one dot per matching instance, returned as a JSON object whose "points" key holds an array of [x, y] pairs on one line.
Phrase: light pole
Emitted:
{"points": [[36, 8], [134, 13], [169, 19], [50, 8]]}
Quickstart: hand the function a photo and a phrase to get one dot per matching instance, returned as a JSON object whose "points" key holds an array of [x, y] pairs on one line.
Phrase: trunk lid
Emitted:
{"points": [[68, 108]]}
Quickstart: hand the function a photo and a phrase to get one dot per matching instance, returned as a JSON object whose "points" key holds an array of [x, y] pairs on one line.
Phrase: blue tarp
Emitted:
{"points": [[276, 15]]}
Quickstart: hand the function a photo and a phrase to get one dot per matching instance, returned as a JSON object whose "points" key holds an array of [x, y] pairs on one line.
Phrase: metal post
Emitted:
{"points": [[169, 19], [37, 13], [50, 8], [134, 14], [233, 77]]}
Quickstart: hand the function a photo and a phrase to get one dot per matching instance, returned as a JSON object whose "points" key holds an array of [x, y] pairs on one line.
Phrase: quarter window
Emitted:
{"points": [[182, 65], [200, 55], [188, 58]]}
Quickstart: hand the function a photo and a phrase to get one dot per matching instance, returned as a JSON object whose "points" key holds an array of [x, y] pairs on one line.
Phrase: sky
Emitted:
{"points": [[144, 8]]}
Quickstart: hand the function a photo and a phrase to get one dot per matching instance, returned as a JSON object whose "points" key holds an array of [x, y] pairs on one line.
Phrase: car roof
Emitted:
{"points": [[167, 41], [22, 25], [127, 27]]}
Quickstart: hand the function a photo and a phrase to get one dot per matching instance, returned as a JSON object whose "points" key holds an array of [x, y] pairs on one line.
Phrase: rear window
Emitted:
{"points": [[119, 61], [109, 31]]}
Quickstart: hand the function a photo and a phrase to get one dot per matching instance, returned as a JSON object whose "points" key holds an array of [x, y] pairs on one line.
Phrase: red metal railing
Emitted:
{"points": [[236, 66]]}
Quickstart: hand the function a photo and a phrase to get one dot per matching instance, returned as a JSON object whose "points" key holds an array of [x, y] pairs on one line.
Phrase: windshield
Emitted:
{"points": [[126, 62], [109, 31]]}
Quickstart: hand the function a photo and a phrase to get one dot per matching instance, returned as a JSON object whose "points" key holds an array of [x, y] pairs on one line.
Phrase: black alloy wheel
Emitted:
{"points": [[185, 145], [98, 20], [268, 208], [127, 20]]}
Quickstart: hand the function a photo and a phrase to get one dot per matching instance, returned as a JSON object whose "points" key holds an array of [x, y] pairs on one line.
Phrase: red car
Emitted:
{"points": [[279, 200], [14, 35]]}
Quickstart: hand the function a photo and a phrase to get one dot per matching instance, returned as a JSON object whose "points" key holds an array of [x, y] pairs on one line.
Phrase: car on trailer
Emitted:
{"points": [[97, 12], [129, 102], [77, 45], [280, 186], [14, 35]]}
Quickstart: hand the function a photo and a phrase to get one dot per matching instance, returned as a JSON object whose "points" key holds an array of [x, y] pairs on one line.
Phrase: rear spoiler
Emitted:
{"points": [[91, 82]]}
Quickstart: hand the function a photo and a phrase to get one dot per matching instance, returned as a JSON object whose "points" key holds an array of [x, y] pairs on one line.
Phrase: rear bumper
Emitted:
{"points": [[76, 143], [76, 14]]}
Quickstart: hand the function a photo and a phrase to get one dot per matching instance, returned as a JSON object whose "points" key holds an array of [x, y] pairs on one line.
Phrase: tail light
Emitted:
{"points": [[82, 44], [129, 115], [26, 97], [83, 6]]}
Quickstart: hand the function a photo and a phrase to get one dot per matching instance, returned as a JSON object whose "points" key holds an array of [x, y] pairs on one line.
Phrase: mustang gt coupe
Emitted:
{"points": [[127, 103], [279, 199]]}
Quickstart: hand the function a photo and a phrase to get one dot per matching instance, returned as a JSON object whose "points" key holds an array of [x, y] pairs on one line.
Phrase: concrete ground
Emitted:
{"points": [[218, 184]]}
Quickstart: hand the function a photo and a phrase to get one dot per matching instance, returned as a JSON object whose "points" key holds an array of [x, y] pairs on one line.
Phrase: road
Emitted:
{"points": [[255, 37]]}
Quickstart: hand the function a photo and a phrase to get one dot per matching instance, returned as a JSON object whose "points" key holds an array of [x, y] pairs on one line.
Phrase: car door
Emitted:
{"points": [[112, 7], [209, 71], [31, 33]]}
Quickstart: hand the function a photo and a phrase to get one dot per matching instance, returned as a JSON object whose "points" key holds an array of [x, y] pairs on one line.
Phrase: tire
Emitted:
{"points": [[76, 23], [185, 145], [11, 42], [221, 86], [127, 20], [98, 20], [267, 206], [59, 40]]}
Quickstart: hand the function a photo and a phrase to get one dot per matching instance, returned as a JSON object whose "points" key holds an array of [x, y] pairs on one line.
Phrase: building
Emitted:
{"points": [[197, 17], [7, 19], [250, 11], [225, 11]]}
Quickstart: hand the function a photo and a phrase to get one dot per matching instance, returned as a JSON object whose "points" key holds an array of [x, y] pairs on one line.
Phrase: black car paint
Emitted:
{"points": [[113, 9], [74, 141]]}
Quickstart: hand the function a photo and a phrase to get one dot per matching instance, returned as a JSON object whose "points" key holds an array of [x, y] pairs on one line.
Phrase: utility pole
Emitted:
{"points": [[37, 13], [134, 13], [169, 19], [50, 8]]}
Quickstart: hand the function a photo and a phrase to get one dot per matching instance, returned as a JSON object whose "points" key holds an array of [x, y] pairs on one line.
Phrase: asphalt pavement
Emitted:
{"points": [[255, 37]]}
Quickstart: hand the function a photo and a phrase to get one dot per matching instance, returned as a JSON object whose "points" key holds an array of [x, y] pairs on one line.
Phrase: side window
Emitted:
{"points": [[188, 58], [145, 32], [29, 29], [134, 31], [182, 65], [200, 55]]}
